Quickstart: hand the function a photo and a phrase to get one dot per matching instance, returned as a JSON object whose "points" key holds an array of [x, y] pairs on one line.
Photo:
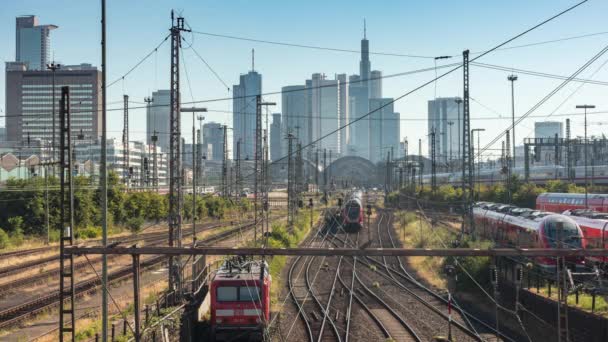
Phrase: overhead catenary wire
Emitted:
{"points": [[546, 97], [121, 78]]}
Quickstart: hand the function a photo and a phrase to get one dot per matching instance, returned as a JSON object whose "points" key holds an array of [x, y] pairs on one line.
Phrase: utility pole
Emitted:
{"points": [[405, 156], [433, 162], [193, 110], [478, 130], [224, 187], [290, 180], [568, 151], [317, 169], [325, 172], [450, 124], [508, 164], [201, 157], [239, 185], [53, 67], [257, 159], [586, 145], [175, 165], [103, 178], [512, 78], [420, 163], [467, 162], [125, 142], [458, 103]]}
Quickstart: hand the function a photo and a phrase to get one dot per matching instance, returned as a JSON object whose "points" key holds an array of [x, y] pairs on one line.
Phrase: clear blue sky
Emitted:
{"points": [[414, 27]]}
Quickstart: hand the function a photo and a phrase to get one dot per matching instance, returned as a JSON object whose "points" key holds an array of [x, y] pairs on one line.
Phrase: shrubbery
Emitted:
{"points": [[23, 211]]}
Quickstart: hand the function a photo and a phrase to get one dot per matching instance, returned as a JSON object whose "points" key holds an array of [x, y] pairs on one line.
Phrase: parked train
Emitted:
{"points": [[560, 202], [352, 212], [240, 299], [594, 225], [538, 174], [512, 226]]}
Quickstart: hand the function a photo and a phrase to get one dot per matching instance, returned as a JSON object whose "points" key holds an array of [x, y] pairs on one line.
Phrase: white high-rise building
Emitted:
{"points": [[325, 113], [384, 129], [343, 112], [244, 113], [445, 119], [296, 117], [158, 119], [375, 85]]}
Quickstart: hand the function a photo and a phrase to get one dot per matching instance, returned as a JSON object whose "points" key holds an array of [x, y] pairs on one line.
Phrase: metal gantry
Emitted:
{"points": [[66, 225], [175, 169], [126, 172], [467, 155]]}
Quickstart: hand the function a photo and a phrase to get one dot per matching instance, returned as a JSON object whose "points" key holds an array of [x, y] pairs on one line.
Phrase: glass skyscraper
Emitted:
{"points": [[33, 42]]}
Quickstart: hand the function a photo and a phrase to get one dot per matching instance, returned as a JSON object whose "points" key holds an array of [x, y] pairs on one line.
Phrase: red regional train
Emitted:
{"points": [[352, 212], [595, 229], [511, 226], [240, 299], [560, 202]]}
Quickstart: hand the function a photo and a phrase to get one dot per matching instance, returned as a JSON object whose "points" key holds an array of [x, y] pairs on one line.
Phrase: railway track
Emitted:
{"points": [[150, 239], [15, 314], [327, 314]]}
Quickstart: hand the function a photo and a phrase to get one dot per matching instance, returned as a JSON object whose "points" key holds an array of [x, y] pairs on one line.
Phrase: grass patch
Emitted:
{"points": [[584, 299], [415, 232], [282, 237]]}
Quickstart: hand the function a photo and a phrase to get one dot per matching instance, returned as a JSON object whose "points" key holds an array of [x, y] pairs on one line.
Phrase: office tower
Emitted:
{"points": [[384, 129], [358, 144], [157, 119], [343, 111], [375, 85], [444, 119], [213, 140], [33, 44], [244, 113], [325, 111], [296, 116], [276, 139], [29, 101], [548, 129]]}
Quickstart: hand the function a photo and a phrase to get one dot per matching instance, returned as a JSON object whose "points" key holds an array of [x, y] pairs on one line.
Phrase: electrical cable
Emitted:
{"points": [[547, 97], [210, 68], [138, 63]]}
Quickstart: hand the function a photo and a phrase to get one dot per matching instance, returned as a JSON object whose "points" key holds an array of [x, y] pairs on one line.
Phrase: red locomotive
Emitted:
{"points": [[352, 213], [511, 226], [560, 202], [240, 300], [595, 229]]}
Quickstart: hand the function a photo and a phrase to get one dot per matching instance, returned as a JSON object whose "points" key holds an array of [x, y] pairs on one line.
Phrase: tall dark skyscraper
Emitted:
{"points": [[364, 65]]}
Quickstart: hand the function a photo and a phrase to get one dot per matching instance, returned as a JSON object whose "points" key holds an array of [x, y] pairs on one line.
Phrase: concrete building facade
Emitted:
{"points": [[29, 101]]}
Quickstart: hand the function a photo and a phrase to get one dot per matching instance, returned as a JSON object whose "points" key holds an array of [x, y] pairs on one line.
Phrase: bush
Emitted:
{"points": [[134, 224], [88, 232], [4, 239]]}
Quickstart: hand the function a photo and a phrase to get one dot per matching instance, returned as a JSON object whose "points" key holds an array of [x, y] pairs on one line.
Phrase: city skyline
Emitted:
{"points": [[490, 89]]}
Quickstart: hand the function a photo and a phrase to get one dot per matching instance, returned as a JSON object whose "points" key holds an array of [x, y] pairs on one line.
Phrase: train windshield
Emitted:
{"points": [[238, 293], [568, 234], [249, 293], [353, 212]]}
